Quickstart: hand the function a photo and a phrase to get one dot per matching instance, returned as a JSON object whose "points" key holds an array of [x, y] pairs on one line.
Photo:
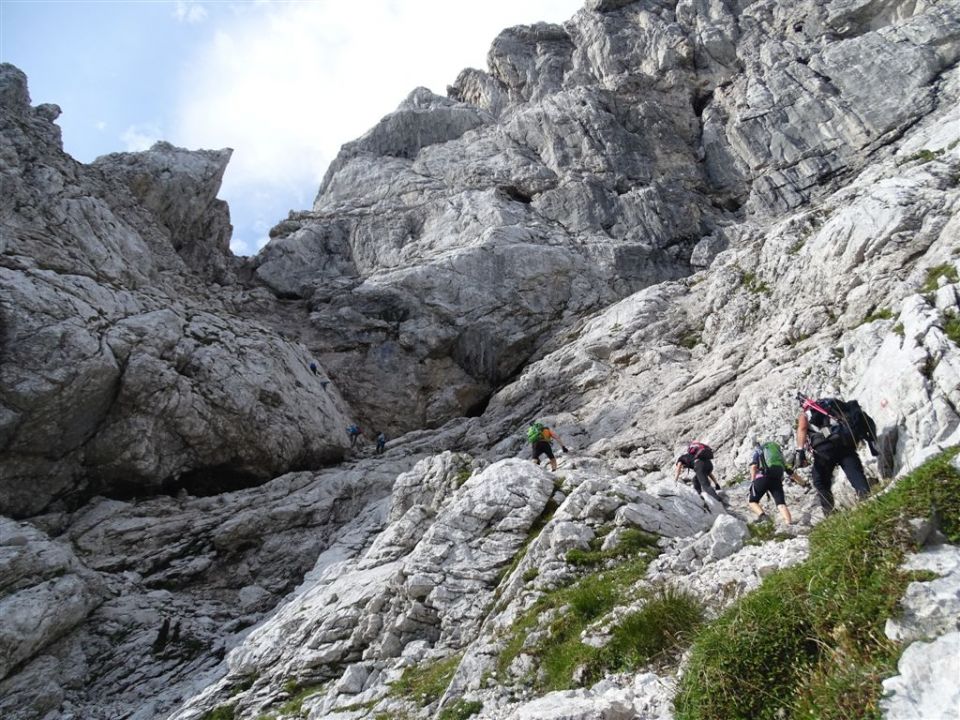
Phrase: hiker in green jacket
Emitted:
{"points": [[767, 470], [541, 438]]}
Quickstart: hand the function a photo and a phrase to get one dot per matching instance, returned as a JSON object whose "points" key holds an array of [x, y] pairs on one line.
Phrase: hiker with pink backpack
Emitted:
{"points": [[699, 458]]}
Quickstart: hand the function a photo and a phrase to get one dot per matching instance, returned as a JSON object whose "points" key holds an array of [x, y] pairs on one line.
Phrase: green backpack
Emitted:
{"points": [[771, 456], [534, 432]]}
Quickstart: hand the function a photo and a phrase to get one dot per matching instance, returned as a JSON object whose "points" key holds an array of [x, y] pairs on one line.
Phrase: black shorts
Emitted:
{"points": [[771, 481], [542, 447]]}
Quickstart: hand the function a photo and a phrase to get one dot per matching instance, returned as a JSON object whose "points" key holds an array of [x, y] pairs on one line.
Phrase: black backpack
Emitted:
{"points": [[846, 418]]}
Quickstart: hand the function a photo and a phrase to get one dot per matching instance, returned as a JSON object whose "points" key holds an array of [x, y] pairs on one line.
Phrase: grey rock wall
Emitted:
{"points": [[653, 223], [121, 371]]}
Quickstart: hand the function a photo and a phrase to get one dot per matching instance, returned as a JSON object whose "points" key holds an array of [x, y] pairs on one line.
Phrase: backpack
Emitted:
{"points": [[699, 451], [846, 419], [535, 432], [771, 456]]}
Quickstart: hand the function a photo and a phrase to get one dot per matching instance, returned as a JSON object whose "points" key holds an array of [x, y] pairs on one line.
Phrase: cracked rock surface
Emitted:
{"points": [[651, 224]]}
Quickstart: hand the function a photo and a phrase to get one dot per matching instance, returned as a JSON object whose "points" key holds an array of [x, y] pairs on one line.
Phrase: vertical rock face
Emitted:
{"points": [[455, 237], [121, 371], [651, 224], [179, 188]]}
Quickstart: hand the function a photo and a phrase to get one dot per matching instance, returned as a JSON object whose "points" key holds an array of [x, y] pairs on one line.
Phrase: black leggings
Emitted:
{"points": [[826, 457], [701, 477]]}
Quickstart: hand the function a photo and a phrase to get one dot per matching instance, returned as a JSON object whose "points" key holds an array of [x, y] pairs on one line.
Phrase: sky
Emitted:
{"points": [[284, 83]]}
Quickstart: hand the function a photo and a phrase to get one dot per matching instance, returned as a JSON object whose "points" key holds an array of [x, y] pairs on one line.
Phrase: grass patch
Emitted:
{"points": [[243, 684], [760, 532], [461, 710], [810, 642], [294, 706], [530, 574], [631, 542], [550, 630], [425, 684], [665, 623], [369, 705], [736, 479], [797, 246], [754, 284], [221, 712], [690, 339], [878, 314], [922, 156], [951, 327], [464, 471], [932, 282], [898, 329]]}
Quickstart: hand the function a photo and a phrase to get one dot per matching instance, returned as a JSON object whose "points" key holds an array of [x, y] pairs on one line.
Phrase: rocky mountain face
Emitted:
{"points": [[651, 224]]}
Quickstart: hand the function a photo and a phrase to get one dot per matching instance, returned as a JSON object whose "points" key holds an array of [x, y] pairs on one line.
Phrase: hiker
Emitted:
{"points": [[542, 437], [698, 458], [381, 442], [767, 470], [831, 429], [313, 368], [354, 432]]}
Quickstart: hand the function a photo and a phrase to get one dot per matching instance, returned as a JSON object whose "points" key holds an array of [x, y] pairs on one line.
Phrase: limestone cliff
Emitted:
{"points": [[653, 223]]}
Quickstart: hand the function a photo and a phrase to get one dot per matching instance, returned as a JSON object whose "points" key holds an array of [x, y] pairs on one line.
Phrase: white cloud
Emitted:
{"points": [[141, 136], [189, 11], [287, 83], [100, 125]]}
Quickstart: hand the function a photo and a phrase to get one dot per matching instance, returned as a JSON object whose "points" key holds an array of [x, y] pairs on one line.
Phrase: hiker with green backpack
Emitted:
{"points": [[767, 470], [541, 437]]}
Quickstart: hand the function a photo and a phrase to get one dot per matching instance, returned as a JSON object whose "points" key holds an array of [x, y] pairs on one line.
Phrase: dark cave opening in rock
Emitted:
{"points": [[204, 482], [479, 407], [515, 193]]}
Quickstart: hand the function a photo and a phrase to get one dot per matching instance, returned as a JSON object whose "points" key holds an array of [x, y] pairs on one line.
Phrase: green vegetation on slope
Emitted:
{"points": [[221, 712], [461, 710], [809, 643], [558, 618], [425, 684], [932, 281]]}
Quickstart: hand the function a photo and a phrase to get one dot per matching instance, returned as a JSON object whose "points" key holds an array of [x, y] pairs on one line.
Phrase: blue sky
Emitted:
{"points": [[284, 83]]}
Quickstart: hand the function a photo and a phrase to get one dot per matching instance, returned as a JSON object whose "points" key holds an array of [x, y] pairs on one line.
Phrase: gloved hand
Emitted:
{"points": [[564, 448], [800, 458]]}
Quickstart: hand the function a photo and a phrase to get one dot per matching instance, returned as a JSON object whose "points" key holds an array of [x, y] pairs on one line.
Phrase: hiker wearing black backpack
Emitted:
{"points": [[698, 458], [767, 470], [541, 437], [831, 429]]}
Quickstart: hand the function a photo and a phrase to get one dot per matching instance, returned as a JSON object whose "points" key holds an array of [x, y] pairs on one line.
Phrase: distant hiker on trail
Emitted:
{"points": [[354, 432], [767, 469], [381, 442], [831, 429], [698, 458], [541, 437], [313, 368]]}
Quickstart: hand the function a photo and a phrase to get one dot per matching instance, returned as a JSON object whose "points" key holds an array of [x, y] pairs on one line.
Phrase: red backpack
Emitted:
{"points": [[699, 451]]}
